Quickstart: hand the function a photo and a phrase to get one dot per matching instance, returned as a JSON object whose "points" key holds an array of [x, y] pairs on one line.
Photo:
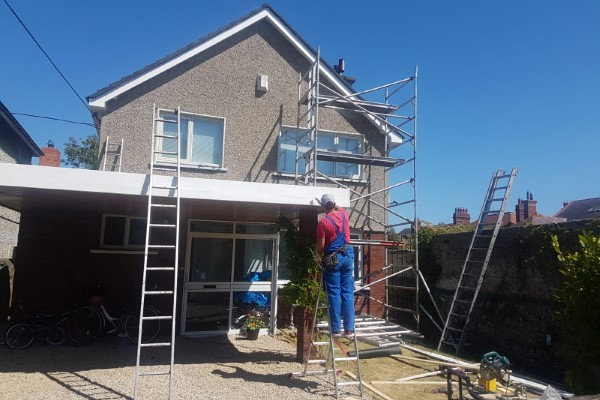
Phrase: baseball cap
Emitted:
{"points": [[327, 198]]}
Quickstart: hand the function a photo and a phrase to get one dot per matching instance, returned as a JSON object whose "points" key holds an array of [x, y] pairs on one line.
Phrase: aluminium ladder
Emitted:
{"points": [[116, 151], [318, 331], [162, 236], [478, 257]]}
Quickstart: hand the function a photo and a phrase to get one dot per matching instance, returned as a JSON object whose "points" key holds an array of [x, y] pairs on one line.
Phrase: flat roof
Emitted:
{"points": [[17, 180]]}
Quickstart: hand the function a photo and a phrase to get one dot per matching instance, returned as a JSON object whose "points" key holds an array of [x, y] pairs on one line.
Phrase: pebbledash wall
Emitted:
{"points": [[514, 313], [220, 82]]}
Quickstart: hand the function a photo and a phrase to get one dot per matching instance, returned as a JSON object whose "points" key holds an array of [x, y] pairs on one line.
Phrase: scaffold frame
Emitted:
{"points": [[398, 122]]}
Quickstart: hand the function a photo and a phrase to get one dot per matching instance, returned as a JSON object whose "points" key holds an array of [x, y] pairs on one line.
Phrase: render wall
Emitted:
{"points": [[11, 151], [221, 82]]}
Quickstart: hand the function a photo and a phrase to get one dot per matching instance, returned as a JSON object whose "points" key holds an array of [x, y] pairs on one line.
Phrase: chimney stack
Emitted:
{"points": [[526, 209], [461, 216], [51, 157]]}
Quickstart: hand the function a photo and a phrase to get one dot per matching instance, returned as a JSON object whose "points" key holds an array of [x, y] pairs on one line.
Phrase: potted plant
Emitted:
{"points": [[253, 322]]}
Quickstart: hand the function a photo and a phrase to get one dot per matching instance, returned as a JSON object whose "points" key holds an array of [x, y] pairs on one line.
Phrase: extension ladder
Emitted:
{"points": [[116, 151], [162, 235], [478, 257], [318, 331]]}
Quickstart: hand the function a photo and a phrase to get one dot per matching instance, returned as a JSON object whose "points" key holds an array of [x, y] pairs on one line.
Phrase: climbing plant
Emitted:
{"points": [[579, 317], [303, 286]]}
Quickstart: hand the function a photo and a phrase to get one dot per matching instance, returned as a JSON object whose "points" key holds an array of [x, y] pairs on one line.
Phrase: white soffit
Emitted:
{"points": [[102, 182]]}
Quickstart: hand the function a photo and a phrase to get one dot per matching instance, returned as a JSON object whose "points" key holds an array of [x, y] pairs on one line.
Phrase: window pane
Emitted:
{"points": [[255, 228], [137, 232], [207, 142], [246, 302], [348, 145], [282, 270], [207, 312], [114, 231], [326, 142], [211, 260], [253, 260], [170, 129], [211, 226], [287, 151]]}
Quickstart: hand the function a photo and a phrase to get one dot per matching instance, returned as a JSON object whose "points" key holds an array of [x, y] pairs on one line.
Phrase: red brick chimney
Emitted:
{"points": [[526, 209], [461, 216], [51, 157]]}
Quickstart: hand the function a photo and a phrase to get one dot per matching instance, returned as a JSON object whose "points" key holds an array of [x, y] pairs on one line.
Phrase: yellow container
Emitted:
{"points": [[488, 384]]}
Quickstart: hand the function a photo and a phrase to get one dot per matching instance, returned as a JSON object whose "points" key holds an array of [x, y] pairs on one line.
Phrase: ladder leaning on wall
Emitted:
{"points": [[478, 257], [162, 238], [114, 150]]}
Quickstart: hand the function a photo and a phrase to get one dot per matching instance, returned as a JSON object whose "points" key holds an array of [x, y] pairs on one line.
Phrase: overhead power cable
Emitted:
{"points": [[55, 119], [47, 56]]}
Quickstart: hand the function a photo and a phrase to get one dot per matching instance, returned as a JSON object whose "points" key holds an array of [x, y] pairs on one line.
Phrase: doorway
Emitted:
{"points": [[230, 270]]}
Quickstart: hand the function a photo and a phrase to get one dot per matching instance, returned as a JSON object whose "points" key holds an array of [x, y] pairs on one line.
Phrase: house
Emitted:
{"points": [[232, 98], [16, 146], [580, 209]]}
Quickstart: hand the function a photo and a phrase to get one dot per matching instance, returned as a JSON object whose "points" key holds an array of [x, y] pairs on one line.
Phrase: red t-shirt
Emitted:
{"points": [[327, 230]]}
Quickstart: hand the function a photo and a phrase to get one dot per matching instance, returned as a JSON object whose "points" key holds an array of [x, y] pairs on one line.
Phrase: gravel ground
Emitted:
{"points": [[218, 367]]}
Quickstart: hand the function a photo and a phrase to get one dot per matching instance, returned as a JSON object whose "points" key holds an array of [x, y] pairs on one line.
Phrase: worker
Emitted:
{"points": [[333, 238]]}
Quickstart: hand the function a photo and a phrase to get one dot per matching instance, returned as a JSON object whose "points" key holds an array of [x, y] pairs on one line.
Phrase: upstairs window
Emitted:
{"points": [[123, 231], [327, 141], [201, 139]]}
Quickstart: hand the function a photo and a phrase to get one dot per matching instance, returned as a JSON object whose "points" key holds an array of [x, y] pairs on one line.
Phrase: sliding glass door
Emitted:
{"points": [[230, 270]]}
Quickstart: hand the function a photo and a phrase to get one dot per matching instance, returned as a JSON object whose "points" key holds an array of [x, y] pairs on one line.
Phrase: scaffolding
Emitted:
{"points": [[397, 122]]}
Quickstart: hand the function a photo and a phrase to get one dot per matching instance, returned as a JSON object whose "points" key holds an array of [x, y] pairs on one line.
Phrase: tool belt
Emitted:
{"points": [[331, 260]]}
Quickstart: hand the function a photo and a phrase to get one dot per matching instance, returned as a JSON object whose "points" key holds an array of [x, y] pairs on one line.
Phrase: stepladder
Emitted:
{"points": [[330, 354], [155, 360]]}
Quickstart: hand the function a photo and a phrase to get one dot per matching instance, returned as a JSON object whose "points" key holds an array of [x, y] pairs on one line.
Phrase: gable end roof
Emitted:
{"points": [[98, 100], [100, 97]]}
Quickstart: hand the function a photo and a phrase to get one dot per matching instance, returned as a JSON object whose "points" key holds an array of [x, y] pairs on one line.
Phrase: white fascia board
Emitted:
{"points": [[104, 182], [100, 102]]}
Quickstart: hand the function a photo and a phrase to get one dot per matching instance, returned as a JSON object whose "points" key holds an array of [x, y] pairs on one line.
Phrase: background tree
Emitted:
{"points": [[82, 153]]}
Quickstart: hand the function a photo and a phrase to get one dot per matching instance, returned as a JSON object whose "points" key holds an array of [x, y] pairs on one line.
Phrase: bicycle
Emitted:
{"points": [[52, 327], [88, 322]]}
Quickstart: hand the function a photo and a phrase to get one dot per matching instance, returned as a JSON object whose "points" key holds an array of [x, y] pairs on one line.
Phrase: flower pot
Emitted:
{"points": [[253, 335]]}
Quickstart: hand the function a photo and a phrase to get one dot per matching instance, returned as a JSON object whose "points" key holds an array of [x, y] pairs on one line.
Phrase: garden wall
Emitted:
{"points": [[515, 311]]}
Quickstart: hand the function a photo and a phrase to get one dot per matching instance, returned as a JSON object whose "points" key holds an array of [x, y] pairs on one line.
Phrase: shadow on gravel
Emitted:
{"points": [[104, 354]]}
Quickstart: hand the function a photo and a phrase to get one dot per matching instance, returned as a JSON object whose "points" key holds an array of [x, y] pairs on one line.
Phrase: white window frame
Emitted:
{"points": [[127, 228], [187, 162], [337, 134]]}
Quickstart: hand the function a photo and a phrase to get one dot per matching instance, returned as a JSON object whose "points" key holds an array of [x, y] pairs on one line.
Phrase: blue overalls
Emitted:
{"points": [[340, 282]]}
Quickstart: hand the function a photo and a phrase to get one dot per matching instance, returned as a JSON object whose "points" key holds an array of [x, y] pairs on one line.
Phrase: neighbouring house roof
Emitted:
{"points": [[580, 209], [16, 180], [20, 132], [98, 100]]}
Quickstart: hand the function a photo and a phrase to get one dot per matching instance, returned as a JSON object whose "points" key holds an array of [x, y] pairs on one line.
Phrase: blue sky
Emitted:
{"points": [[501, 84]]}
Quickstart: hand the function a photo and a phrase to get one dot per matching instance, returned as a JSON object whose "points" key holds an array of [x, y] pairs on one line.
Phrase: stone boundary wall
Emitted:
{"points": [[515, 311]]}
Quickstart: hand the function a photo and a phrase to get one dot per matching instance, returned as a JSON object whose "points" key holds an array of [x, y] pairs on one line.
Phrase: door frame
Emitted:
{"points": [[232, 286]]}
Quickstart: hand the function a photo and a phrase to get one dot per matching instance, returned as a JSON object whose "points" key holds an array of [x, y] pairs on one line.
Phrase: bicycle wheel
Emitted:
{"points": [[56, 336], [84, 326], [150, 329], [19, 336]]}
